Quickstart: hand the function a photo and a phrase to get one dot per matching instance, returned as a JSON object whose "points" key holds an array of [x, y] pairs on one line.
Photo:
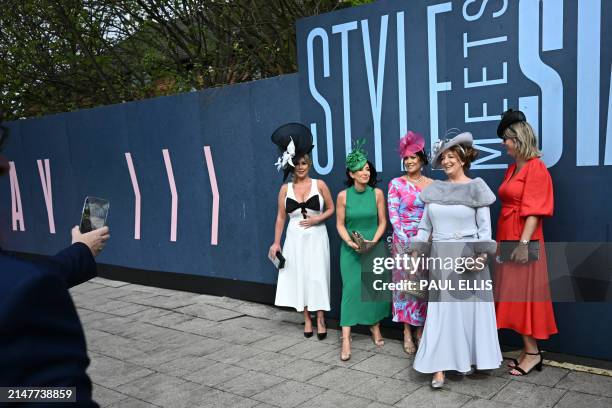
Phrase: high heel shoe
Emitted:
{"points": [[437, 384], [515, 361], [377, 342], [321, 336], [308, 334], [346, 356], [409, 346], [538, 366]]}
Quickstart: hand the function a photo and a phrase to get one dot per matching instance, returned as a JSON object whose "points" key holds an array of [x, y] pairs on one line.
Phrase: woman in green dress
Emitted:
{"points": [[361, 208]]}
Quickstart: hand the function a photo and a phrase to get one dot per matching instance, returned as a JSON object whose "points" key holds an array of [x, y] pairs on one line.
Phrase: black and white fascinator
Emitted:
{"points": [[294, 140]]}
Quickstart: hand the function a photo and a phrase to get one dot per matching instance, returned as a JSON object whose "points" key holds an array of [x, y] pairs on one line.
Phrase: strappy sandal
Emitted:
{"points": [[345, 356], [409, 346], [515, 362], [377, 342], [538, 366]]}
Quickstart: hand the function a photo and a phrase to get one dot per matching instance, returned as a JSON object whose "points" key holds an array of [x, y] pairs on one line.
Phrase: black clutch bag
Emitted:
{"points": [[278, 260], [506, 248]]}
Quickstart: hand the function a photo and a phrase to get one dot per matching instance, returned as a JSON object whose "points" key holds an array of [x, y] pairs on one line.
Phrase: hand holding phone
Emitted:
{"points": [[95, 240]]}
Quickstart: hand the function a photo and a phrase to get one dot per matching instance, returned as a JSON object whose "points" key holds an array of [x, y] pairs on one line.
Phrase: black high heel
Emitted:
{"points": [[321, 336], [538, 366], [310, 333]]}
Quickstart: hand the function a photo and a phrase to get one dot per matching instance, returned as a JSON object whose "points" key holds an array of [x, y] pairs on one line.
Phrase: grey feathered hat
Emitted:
{"points": [[462, 139]]}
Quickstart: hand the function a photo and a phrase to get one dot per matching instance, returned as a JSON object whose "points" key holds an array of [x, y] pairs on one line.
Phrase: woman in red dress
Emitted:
{"points": [[521, 285]]}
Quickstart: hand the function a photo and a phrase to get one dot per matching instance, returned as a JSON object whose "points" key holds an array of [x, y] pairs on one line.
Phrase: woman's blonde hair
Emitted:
{"points": [[306, 157], [525, 140]]}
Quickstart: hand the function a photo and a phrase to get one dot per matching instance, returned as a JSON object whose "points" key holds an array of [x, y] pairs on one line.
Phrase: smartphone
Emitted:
{"points": [[94, 214]]}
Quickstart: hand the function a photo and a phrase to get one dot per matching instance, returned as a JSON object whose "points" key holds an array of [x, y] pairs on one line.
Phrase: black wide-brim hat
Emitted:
{"points": [[302, 141], [509, 117]]}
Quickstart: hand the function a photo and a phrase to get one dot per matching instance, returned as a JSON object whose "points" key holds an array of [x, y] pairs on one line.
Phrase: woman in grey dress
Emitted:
{"points": [[460, 331]]}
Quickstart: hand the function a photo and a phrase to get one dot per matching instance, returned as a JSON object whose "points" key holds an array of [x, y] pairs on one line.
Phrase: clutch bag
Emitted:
{"points": [[506, 248], [278, 260], [363, 245]]}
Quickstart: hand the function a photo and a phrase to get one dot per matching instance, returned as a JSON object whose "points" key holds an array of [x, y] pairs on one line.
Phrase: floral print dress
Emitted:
{"points": [[405, 213]]}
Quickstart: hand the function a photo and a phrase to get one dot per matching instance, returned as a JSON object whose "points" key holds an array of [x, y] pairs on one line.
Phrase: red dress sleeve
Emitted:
{"points": [[538, 191]]}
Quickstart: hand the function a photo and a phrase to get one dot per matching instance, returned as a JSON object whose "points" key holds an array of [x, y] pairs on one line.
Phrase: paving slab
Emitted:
{"points": [[250, 383], [341, 379], [288, 394], [209, 312], [302, 370], [573, 399], [587, 383], [309, 349], [153, 347], [214, 374], [425, 397], [266, 362], [382, 365], [105, 396], [334, 399], [276, 342], [385, 390], [529, 395], [111, 373]]}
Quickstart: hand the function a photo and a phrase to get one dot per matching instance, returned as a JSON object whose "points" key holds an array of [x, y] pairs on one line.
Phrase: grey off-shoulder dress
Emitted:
{"points": [[460, 330]]}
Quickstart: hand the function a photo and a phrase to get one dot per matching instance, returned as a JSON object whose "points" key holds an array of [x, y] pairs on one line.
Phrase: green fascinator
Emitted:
{"points": [[357, 158]]}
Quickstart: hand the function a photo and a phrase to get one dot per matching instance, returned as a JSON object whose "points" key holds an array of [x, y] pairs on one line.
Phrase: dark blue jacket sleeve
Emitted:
{"points": [[73, 265], [43, 344]]}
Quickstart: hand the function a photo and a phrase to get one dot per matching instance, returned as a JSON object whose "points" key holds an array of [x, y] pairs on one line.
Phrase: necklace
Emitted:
{"points": [[413, 180]]}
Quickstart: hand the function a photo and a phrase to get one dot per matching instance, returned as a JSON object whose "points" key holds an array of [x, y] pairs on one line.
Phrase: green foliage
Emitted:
{"points": [[62, 55]]}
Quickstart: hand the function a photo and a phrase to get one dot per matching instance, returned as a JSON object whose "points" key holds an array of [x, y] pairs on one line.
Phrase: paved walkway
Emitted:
{"points": [[157, 347]]}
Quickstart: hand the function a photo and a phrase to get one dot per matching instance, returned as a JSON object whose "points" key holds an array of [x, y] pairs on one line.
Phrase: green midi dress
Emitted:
{"points": [[361, 215]]}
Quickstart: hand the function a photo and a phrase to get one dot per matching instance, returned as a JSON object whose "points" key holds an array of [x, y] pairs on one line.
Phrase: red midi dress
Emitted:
{"points": [[522, 291]]}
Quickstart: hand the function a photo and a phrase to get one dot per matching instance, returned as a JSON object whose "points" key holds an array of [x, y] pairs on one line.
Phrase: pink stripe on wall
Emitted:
{"points": [[16, 208], [172, 184], [137, 204], [214, 233], [45, 181]]}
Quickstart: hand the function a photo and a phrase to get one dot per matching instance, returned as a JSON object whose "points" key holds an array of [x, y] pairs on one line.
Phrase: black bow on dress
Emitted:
{"points": [[312, 203]]}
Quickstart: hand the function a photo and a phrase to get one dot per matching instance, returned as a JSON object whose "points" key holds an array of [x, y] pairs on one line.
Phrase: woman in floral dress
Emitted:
{"points": [[405, 212]]}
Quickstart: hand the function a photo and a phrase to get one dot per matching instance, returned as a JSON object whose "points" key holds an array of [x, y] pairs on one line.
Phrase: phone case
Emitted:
{"points": [[94, 214]]}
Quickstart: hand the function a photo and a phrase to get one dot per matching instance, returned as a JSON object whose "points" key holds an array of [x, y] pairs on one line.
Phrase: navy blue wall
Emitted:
{"points": [[87, 148]]}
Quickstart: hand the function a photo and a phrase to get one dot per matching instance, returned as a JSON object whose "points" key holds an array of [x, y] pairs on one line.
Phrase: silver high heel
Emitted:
{"points": [[437, 384]]}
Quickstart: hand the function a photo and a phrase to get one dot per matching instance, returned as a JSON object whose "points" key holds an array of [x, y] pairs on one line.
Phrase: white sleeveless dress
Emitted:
{"points": [[304, 281]]}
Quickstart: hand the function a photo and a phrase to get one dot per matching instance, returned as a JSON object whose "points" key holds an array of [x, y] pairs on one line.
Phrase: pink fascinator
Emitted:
{"points": [[410, 144]]}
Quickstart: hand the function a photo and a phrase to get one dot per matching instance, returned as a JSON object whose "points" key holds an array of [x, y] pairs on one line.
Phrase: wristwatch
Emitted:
{"points": [[524, 241]]}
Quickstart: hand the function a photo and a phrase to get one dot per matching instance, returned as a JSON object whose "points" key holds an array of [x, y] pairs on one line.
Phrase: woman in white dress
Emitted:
{"points": [[460, 331], [303, 283]]}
